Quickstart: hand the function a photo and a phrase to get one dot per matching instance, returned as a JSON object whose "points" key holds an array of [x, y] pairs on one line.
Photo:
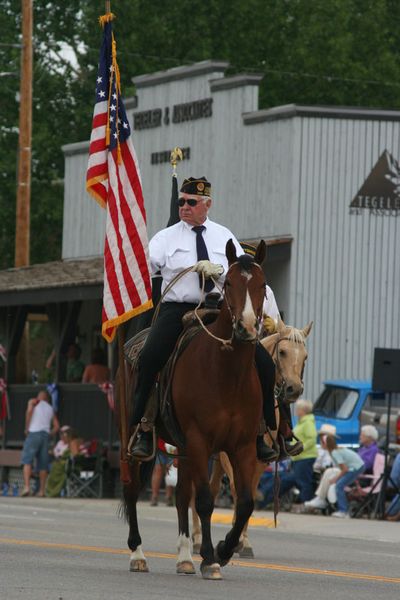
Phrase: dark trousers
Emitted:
{"points": [[159, 346], [301, 476]]}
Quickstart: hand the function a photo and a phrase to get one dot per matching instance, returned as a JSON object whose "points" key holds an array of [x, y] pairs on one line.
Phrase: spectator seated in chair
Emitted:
{"points": [[348, 466], [368, 446], [70, 445]]}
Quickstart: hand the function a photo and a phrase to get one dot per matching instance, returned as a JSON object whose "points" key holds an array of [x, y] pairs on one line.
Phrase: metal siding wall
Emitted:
{"points": [[84, 219], [287, 176], [250, 167], [344, 267]]}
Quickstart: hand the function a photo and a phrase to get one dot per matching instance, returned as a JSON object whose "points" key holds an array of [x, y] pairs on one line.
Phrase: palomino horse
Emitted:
{"points": [[217, 401], [288, 350]]}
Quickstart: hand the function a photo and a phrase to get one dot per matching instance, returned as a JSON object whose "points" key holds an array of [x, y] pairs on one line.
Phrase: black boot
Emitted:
{"points": [[143, 447], [264, 452]]}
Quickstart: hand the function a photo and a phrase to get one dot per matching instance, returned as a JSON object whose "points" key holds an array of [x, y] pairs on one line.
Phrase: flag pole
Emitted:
{"points": [[123, 463], [176, 155]]}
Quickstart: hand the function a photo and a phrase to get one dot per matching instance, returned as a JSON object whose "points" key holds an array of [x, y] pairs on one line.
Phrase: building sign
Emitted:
{"points": [[380, 192], [180, 113], [165, 156]]}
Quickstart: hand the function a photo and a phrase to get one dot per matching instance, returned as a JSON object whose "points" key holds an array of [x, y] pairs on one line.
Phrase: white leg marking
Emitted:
{"points": [[184, 553], [138, 554]]}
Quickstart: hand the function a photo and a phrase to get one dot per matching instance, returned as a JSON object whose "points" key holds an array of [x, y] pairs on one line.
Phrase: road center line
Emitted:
{"points": [[237, 563]]}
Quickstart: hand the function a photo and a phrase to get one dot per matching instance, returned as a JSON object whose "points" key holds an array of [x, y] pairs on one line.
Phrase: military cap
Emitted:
{"points": [[197, 187], [248, 249]]}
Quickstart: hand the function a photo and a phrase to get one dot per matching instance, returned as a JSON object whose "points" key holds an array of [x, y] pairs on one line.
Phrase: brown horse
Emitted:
{"points": [[217, 400], [288, 350]]}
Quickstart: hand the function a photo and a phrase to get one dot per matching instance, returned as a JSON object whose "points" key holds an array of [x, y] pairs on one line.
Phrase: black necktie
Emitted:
{"points": [[202, 254]]}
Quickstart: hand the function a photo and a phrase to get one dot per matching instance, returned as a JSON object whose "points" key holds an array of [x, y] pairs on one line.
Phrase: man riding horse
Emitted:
{"points": [[194, 238]]}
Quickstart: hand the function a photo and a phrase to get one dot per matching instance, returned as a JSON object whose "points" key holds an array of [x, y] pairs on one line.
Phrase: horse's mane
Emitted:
{"points": [[294, 334], [291, 333]]}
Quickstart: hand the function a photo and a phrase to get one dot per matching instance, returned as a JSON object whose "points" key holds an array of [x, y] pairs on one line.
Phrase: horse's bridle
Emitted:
{"points": [[224, 292], [280, 388]]}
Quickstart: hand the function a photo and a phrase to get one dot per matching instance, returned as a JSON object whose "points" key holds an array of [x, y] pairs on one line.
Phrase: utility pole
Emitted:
{"points": [[22, 230]]}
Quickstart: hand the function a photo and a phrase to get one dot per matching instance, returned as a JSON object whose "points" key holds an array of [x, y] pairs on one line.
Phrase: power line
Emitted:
{"points": [[262, 67]]}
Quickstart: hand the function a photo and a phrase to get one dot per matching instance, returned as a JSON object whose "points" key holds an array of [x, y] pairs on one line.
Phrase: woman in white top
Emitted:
{"points": [[348, 465], [40, 423]]}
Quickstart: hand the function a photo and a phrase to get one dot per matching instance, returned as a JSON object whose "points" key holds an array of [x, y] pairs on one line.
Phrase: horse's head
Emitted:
{"points": [[288, 350], [245, 291]]}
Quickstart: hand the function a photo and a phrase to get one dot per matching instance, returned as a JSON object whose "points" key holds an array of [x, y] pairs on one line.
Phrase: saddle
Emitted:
{"points": [[160, 404]]}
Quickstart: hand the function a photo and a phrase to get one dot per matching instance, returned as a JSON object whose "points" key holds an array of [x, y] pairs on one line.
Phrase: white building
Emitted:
{"points": [[287, 175]]}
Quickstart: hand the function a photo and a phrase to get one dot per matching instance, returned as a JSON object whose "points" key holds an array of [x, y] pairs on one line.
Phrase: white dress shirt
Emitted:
{"points": [[270, 307], [173, 249]]}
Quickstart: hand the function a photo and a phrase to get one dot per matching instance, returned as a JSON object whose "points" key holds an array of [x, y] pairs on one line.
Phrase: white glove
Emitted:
{"points": [[208, 268]]}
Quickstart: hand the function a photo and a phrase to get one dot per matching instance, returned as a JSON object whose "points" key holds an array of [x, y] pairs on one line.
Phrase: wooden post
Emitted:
{"points": [[22, 236]]}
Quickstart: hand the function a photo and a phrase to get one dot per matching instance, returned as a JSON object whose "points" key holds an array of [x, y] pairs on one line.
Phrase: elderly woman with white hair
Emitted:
{"points": [[368, 446]]}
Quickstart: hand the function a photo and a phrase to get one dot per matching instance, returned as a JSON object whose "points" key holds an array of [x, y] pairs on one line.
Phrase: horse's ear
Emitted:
{"points": [[260, 252], [230, 252], [307, 329], [280, 326]]}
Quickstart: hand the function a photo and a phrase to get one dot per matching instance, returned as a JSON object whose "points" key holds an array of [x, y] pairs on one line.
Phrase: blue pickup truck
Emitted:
{"points": [[350, 404]]}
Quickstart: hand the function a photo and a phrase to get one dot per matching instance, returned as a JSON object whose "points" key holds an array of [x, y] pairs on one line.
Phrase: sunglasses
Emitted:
{"points": [[189, 201]]}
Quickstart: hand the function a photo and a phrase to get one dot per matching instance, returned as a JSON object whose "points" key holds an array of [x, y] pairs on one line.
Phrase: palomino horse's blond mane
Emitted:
{"points": [[292, 334]]}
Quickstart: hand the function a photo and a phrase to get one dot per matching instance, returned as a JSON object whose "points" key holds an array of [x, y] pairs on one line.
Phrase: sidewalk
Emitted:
{"points": [[307, 524], [288, 523]]}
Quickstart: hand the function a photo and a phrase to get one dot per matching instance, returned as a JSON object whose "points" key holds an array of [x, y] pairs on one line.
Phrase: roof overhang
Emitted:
{"points": [[58, 281]]}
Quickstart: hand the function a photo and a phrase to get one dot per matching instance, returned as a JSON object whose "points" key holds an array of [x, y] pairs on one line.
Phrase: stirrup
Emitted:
{"points": [[287, 450], [275, 444], [133, 440], [294, 449]]}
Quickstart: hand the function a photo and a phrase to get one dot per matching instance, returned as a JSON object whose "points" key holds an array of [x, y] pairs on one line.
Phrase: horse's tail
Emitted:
{"points": [[145, 471], [140, 474]]}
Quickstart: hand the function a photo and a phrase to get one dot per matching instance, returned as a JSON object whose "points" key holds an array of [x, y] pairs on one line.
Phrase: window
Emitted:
{"points": [[336, 402], [379, 400]]}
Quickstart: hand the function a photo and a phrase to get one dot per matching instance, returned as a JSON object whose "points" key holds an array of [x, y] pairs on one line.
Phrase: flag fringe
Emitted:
{"points": [[92, 192], [113, 323], [106, 18]]}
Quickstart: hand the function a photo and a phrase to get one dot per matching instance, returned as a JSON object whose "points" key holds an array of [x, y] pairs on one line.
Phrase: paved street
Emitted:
{"points": [[73, 549]]}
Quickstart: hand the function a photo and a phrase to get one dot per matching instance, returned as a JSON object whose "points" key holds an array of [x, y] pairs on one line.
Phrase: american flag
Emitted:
{"points": [[113, 179]]}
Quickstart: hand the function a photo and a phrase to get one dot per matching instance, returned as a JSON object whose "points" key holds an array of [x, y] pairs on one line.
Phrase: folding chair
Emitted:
{"points": [[85, 476], [363, 498]]}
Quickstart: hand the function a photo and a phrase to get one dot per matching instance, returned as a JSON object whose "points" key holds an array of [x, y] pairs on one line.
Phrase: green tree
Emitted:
{"points": [[335, 52]]}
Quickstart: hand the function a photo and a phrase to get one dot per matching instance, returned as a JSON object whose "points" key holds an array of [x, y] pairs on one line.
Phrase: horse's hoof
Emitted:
{"points": [[185, 567], [211, 571], [246, 552], [138, 565], [196, 548]]}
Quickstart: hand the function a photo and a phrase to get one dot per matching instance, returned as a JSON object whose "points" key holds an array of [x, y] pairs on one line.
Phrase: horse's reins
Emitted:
{"points": [[226, 343], [280, 389]]}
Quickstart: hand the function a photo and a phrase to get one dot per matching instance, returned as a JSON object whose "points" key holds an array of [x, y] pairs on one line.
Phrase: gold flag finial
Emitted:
{"points": [[176, 154]]}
